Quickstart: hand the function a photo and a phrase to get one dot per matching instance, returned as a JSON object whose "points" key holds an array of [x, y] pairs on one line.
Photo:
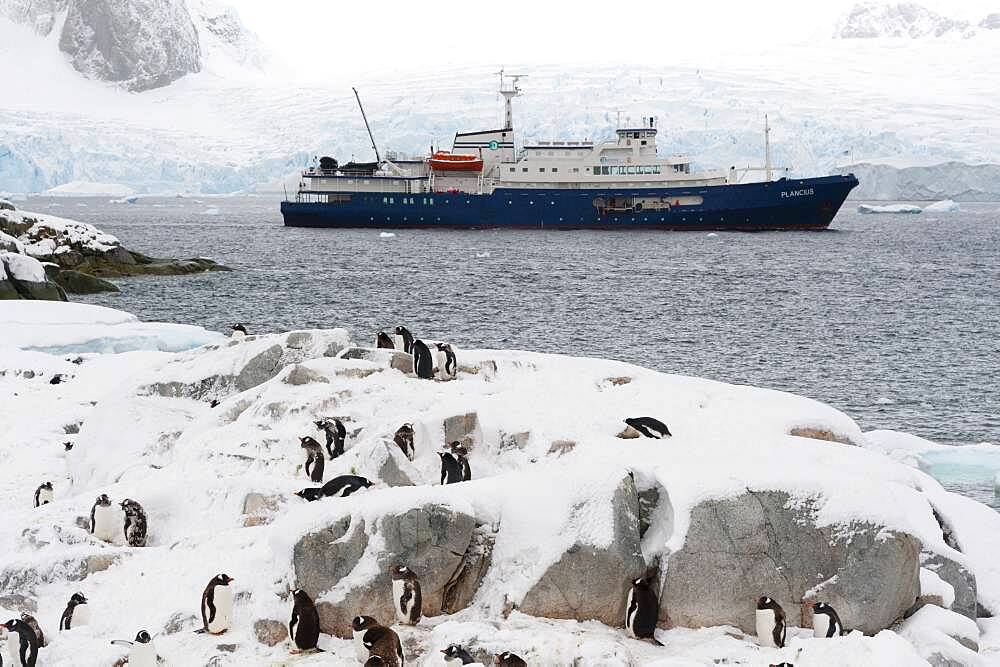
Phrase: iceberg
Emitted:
{"points": [[889, 208], [945, 206]]}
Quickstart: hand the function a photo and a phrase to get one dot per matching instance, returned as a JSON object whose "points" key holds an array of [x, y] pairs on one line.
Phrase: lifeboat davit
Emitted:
{"points": [[445, 161]]}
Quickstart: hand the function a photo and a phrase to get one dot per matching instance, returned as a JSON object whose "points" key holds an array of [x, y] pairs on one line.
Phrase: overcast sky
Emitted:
{"points": [[333, 35]]}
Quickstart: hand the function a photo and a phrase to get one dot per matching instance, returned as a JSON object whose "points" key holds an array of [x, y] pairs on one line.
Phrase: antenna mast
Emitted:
{"points": [[509, 94], [365, 118], [767, 149]]}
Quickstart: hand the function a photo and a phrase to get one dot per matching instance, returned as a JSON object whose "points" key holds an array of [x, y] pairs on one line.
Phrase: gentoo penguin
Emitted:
{"points": [[336, 435], [406, 598], [32, 623], [56, 379], [383, 341], [43, 494], [826, 622], [22, 643], [423, 363], [303, 628], [68, 446], [407, 338], [217, 605], [642, 610], [456, 653], [77, 613], [359, 626], [314, 458], [447, 365], [239, 332], [649, 427], [135, 523], [384, 642], [451, 468], [104, 519], [404, 440], [770, 623], [374, 661], [338, 487], [311, 494], [508, 659], [141, 652], [462, 454]]}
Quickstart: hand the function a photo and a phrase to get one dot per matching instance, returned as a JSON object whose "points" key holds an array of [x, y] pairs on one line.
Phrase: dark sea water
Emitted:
{"points": [[893, 319]]}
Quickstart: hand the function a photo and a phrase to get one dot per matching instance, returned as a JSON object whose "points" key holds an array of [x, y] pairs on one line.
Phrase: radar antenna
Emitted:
{"points": [[365, 118], [509, 92]]}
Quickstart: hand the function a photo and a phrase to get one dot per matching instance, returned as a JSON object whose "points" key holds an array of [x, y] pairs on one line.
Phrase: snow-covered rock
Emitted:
{"points": [[23, 277], [889, 208], [943, 638], [904, 19]]}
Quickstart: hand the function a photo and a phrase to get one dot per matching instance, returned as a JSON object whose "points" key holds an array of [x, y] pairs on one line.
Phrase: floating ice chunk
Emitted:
{"points": [[483, 255], [386, 235], [946, 206], [712, 235], [890, 208], [211, 210], [124, 200]]}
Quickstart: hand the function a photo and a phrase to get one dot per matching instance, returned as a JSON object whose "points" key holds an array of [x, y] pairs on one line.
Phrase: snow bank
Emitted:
{"points": [[889, 208], [88, 188]]}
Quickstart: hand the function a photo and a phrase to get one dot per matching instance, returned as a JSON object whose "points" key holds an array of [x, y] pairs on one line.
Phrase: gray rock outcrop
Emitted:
{"points": [[14, 284], [760, 543], [960, 578]]}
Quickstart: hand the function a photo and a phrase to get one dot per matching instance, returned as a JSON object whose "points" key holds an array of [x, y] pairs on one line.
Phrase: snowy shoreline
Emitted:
{"points": [[554, 488]]}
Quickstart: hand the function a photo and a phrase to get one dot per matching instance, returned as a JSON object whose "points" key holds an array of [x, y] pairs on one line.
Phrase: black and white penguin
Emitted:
{"points": [[423, 362], [315, 461], [642, 610], [135, 523], [770, 623], [68, 446], [22, 643], [455, 653], [826, 622], [404, 440], [451, 468], [383, 341], [462, 454], [141, 652], [336, 436], [345, 485], [56, 379], [384, 643], [359, 626], [782, 664], [77, 613], [104, 519], [447, 364], [311, 494], [44, 494], [508, 659], [649, 427], [406, 337], [32, 623], [217, 605], [239, 332], [374, 661], [303, 628], [406, 597]]}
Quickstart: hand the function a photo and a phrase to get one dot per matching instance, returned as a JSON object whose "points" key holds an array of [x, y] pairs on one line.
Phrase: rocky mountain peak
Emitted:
{"points": [[905, 19]]}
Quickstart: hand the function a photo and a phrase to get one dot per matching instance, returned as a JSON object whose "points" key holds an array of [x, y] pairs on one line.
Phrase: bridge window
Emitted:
{"points": [[541, 169], [605, 171], [555, 169], [512, 170], [576, 170], [524, 169]]}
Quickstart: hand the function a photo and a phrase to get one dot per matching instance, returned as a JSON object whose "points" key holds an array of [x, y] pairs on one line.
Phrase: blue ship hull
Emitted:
{"points": [[809, 203]]}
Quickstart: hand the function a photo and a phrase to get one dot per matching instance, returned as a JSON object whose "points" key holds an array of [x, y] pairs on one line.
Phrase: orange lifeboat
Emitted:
{"points": [[445, 161]]}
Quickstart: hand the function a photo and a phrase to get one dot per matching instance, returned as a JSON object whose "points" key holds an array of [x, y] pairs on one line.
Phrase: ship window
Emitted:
{"points": [[597, 170], [390, 200], [631, 170], [642, 143], [635, 135], [431, 200], [555, 169], [524, 170], [576, 170], [605, 171], [385, 200], [541, 169], [656, 168], [512, 170]]}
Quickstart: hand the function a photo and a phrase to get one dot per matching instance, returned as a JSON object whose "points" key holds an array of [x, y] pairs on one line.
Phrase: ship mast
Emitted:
{"points": [[767, 150], [363, 116], [509, 93]]}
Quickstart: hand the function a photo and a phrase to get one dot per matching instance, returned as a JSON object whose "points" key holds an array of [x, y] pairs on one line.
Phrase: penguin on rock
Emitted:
{"points": [[642, 610], [141, 652], [315, 460], [406, 597], [239, 332], [508, 659], [406, 338], [383, 341], [457, 654], [649, 427], [303, 628], [77, 613], [447, 364], [770, 621], [423, 362], [404, 440], [336, 436], [217, 605], [451, 468]]}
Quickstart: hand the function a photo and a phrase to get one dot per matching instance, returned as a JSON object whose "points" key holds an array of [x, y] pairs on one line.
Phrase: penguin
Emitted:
{"points": [[456, 653], [303, 628], [383, 341], [451, 468], [404, 440], [447, 365], [217, 605], [32, 623], [359, 626], [22, 643], [338, 487], [77, 613], [649, 427], [314, 458], [508, 659], [423, 363], [310, 494], [56, 379], [782, 664], [135, 523], [68, 446], [43, 494], [239, 332], [214, 403], [462, 454], [141, 652], [374, 661], [406, 597], [384, 643], [642, 610], [770, 623], [826, 622], [336, 435], [103, 519], [407, 338]]}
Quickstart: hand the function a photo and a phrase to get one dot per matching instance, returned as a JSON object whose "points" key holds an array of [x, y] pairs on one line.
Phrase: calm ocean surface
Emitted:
{"points": [[893, 319]]}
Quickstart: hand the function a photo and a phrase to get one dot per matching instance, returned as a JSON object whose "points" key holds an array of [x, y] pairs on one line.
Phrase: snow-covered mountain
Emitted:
{"points": [[905, 19]]}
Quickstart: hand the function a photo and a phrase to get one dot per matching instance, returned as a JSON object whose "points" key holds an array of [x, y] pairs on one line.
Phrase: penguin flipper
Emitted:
{"points": [[121, 642]]}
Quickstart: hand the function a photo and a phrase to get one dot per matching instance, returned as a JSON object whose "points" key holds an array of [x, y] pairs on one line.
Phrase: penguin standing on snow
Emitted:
{"points": [[406, 597], [374, 640], [359, 626], [770, 623], [314, 458], [43, 494], [447, 365], [407, 338], [423, 362], [383, 341], [451, 468], [508, 659], [649, 427], [217, 605], [642, 610], [32, 623], [77, 613], [462, 455], [103, 519], [141, 652], [135, 523], [826, 622], [303, 628], [456, 653], [404, 440], [239, 332], [336, 436], [22, 643]]}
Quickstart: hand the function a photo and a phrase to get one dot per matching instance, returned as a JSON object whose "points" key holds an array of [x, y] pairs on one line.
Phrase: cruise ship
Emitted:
{"points": [[622, 183]]}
